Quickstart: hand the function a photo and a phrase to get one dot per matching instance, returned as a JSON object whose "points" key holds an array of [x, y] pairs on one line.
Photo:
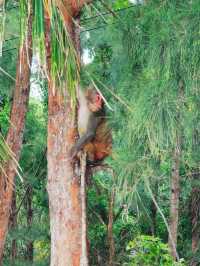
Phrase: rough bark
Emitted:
{"points": [[63, 181], [174, 201], [63, 186], [175, 180], [84, 252], [15, 133], [111, 243], [13, 225], [29, 210]]}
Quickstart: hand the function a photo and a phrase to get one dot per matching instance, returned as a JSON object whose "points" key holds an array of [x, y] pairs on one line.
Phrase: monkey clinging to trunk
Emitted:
{"points": [[95, 135]]}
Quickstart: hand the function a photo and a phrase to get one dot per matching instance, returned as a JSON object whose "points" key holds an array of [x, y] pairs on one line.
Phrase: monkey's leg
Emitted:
{"points": [[90, 150]]}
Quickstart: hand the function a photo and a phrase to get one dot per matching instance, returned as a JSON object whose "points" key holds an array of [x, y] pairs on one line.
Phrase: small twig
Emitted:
{"points": [[118, 213], [109, 8], [7, 74], [24, 197], [98, 216]]}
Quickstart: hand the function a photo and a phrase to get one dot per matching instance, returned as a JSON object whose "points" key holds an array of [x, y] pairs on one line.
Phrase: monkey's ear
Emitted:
{"points": [[98, 98]]}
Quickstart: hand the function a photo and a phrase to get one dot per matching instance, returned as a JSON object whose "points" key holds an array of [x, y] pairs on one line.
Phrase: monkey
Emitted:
{"points": [[95, 135]]}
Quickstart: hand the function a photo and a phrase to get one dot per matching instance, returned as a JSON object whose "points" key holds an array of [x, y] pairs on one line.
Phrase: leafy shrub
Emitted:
{"points": [[148, 250]]}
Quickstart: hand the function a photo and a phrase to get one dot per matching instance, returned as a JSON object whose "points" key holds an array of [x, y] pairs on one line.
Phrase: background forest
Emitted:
{"points": [[144, 207]]}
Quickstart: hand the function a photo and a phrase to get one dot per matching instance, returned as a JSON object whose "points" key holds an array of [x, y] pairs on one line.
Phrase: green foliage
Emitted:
{"points": [[4, 152], [7, 74], [147, 250], [2, 25], [39, 29], [65, 65], [4, 117], [151, 48], [34, 169], [9, 55], [121, 4], [140, 54], [24, 16], [42, 252], [124, 226]]}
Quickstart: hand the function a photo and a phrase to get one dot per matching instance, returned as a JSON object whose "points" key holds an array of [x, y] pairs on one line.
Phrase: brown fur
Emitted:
{"points": [[95, 135], [101, 146]]}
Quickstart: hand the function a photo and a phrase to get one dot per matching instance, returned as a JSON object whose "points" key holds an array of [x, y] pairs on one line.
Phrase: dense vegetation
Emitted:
{"points": [[145, 58]]}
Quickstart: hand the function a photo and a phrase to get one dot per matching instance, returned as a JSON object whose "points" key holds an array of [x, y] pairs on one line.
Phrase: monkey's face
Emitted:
{"points": [[94, 100], [96, 103]]}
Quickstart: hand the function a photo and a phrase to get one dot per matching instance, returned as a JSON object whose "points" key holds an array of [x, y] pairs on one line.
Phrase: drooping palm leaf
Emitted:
{"points": [[5, 155], [65, 65]]}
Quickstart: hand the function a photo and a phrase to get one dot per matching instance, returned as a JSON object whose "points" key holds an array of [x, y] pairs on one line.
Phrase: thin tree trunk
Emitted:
{"points": [[29, 246], [111, 243], [154, 209], [13, 225], [195, 217], [174, 201], [15, 133], [63, 181], [175, 181]]}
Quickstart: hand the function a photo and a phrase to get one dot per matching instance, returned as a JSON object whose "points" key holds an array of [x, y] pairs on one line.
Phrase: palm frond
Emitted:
{"points": [[65, 65], [5, 155]]}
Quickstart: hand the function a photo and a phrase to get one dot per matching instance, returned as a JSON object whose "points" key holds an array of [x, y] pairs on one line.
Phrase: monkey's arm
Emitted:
{"points": [[93, 123]]}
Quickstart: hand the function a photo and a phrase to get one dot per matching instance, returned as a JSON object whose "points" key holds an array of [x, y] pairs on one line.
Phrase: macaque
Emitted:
{"points": [[95, 135]]}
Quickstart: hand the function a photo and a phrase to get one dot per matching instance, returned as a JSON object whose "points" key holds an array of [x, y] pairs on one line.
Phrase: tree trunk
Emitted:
{"points": [[175, 180], [154, 209], [29, 246], [15, 133], [111, 243], [84, 252], [174, 202], [63, 181], [195, 217], [13, 225], [63, 186]]}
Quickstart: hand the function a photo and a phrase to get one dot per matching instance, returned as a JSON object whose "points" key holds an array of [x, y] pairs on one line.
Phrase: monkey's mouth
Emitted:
{"points": [[94, 107]]}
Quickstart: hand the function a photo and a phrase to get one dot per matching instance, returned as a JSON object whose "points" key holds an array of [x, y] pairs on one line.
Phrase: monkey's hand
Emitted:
{"points": [[74, 151], [79, 145]]}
